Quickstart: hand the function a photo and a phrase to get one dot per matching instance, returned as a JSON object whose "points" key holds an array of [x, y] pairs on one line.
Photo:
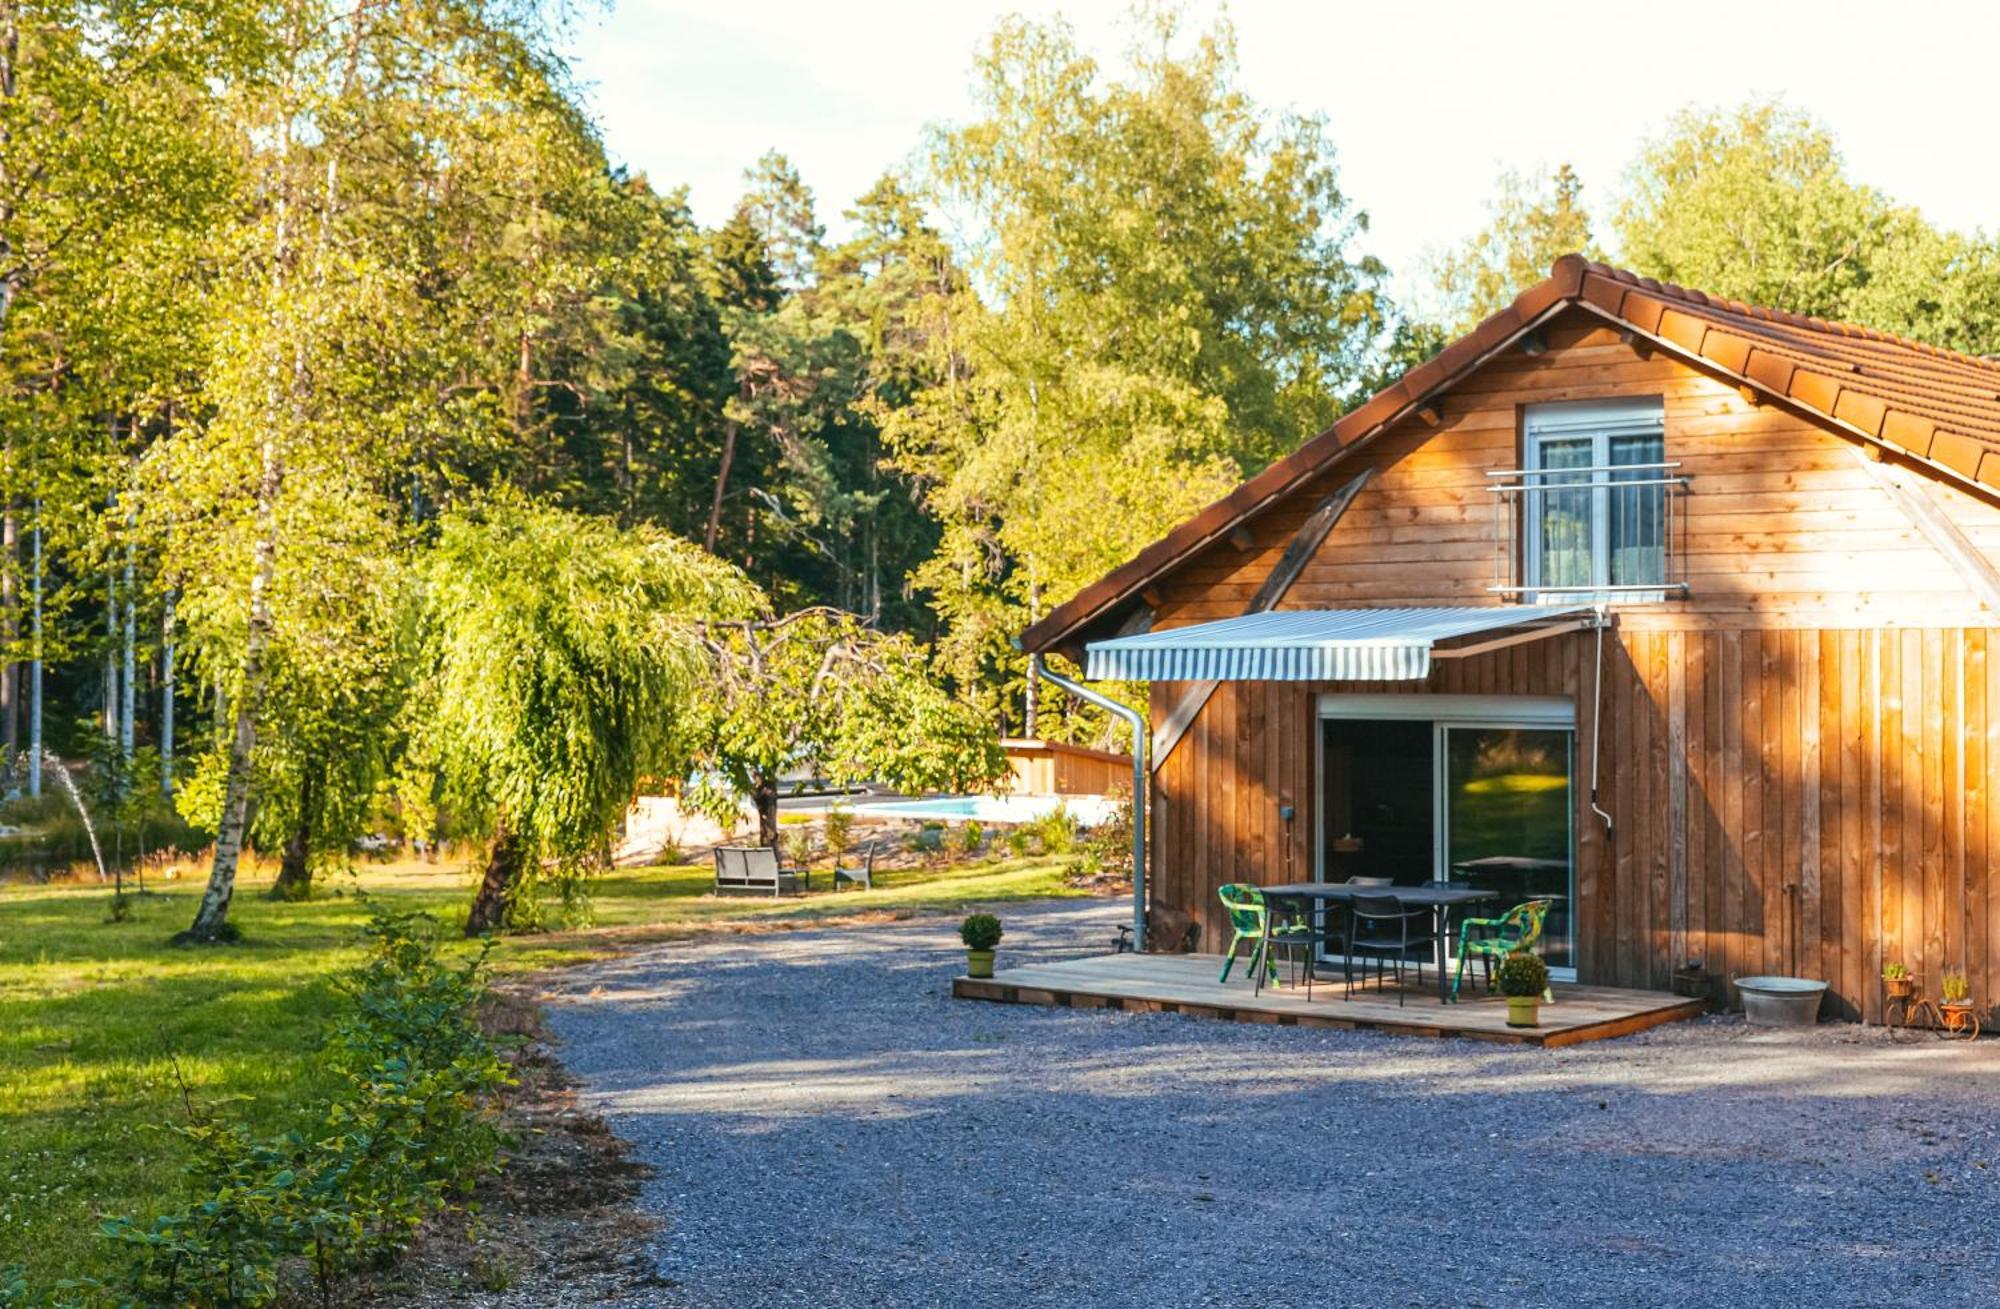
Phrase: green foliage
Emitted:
{"points": [[1522, 974], [1755, 204], [1166, 300], [1955, 987], [839, 830], [819, 690], [1895, 972], [408, 1130], [1109, 843], [980, 932], [962, 841], [1055, 831], [1533, 221], [561, 665]]}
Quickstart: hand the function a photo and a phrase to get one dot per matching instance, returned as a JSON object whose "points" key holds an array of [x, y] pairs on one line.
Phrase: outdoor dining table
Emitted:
{"points": [[1439, 897]]}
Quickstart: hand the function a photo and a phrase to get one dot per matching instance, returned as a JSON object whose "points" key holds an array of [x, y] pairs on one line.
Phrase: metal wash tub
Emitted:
{"points": [[1780, 1001]]}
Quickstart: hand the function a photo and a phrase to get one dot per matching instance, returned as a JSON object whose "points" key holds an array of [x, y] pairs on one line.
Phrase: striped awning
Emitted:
{"points": [[1311, 645]]}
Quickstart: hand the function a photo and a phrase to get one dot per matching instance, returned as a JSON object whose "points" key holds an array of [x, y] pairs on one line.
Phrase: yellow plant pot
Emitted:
{"points": [[1524, 1011], [979, 963]]}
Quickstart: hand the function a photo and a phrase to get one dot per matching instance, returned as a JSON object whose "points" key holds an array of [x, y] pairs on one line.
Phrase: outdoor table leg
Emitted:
{"points": [[1261, 959], [1444, 936]]}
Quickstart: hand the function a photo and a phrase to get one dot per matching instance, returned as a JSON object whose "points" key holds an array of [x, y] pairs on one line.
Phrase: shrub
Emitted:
{"points": [[839, 830], [963, 840], [798, 846], [1955, 987], [1110, 842], [412, 1127], [1055, 830], [1017, 841], [1523, 974], [980, 932]]}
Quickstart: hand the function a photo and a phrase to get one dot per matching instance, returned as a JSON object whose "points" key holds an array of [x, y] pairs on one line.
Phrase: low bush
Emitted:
{"points": [[411, 1130], [839, 830], [1522, 974], [1055, 831], [980, 932]]}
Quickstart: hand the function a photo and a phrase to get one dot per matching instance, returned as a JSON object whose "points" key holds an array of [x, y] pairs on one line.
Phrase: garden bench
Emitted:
{"points": [[863, 877], [754, 870]]}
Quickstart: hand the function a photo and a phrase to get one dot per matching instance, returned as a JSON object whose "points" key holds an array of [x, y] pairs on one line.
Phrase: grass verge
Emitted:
{"points": [[104, 1028]]}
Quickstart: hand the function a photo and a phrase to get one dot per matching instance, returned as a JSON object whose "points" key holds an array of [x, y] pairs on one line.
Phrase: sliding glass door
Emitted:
{"points": [[1508, 807], [1474, 790]]}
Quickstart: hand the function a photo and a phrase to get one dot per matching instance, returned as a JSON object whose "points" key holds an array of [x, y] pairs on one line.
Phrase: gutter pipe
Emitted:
{"points": [[1137, 722]]}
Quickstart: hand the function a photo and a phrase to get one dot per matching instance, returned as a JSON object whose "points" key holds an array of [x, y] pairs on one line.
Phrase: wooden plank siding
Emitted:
{"points": [[1799, 758], [1779, 873]]}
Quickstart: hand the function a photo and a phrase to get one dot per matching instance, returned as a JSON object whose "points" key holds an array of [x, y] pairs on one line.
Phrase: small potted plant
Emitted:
{"points": [[1523, 978], [1957, 998], [1896, 978], [980, 932]]}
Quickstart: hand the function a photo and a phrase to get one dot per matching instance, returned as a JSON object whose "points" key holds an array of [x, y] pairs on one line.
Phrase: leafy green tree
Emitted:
{"points": [[419, 233], [1533, 222], [817, 691], [1756, 204], [563, 663], [1167, 302]]}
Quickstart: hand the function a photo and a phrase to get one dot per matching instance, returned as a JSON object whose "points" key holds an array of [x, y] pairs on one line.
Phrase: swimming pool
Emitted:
{"points": [[1088, 810]]}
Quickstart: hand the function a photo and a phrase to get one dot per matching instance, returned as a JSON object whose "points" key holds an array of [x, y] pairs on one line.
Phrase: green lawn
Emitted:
{"points": [[96, 1017]]}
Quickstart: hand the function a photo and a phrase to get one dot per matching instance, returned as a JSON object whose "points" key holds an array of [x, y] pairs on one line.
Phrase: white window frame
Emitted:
{"points": [[1600, 420]]}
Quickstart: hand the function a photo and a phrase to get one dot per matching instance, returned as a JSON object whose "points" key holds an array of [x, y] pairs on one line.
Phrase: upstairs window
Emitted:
{"points": [[1593, 498]]}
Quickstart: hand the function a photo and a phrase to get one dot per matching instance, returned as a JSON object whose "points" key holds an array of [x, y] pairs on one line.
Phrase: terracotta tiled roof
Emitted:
{"points": [[1940, 407]]}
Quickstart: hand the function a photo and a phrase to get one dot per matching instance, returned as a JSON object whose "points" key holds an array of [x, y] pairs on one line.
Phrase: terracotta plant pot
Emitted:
{"points": [[979, 963], [1524, 1011]]}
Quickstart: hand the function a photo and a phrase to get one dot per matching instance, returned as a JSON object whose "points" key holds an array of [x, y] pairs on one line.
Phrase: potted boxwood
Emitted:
{"points": [[1897, 981], [1523, 978], [980, 932]]}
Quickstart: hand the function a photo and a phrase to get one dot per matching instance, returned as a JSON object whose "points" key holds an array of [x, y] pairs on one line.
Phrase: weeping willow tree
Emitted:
{"points": [[562, 660]]}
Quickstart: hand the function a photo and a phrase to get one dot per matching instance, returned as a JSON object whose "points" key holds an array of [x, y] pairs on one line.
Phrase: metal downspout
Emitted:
{"points": [[1137, 722], [1597, 717]]}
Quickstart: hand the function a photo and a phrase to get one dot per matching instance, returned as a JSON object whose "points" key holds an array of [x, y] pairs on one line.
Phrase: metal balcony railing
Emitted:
{"points": [[1609, 532]]}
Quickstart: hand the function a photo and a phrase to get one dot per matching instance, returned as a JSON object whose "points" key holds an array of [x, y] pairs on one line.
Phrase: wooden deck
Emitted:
{"points": [[1186, 984]]}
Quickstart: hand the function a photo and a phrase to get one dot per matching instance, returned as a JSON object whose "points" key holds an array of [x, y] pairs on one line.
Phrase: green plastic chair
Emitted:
{"points": [[1247, 913], [1520, 928]]}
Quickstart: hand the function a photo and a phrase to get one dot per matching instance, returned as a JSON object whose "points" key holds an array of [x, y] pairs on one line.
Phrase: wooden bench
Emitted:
{"points": [[754, 870]]}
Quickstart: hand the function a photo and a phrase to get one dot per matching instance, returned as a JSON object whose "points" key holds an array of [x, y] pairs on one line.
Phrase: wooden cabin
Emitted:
{"points": [[1038, 767], [1677, 611]]}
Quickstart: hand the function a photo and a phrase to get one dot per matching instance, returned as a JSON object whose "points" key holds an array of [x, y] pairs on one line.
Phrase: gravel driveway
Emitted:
{"points": [[830, 1128]]}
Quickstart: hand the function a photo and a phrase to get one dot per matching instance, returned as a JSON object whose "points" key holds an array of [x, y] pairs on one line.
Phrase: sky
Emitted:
{"points": [[1425, 102]]}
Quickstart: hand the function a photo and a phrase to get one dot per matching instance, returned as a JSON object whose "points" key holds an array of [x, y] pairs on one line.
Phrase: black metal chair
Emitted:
{"points": [[1378, 925], [1299, 932]]}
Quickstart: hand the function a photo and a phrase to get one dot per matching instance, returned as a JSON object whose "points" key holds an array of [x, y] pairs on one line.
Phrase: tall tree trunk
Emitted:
{"points": [[35, 669], [128, 698], [721, 484], [111, 657], [1031, 719], [167, 698], [496, 890], [295, 868], [764, 794], [10, 630], [211, 920]]}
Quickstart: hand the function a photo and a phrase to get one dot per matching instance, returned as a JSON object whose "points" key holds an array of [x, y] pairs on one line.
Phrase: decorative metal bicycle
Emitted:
{"points": [[1906, 1006]]}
